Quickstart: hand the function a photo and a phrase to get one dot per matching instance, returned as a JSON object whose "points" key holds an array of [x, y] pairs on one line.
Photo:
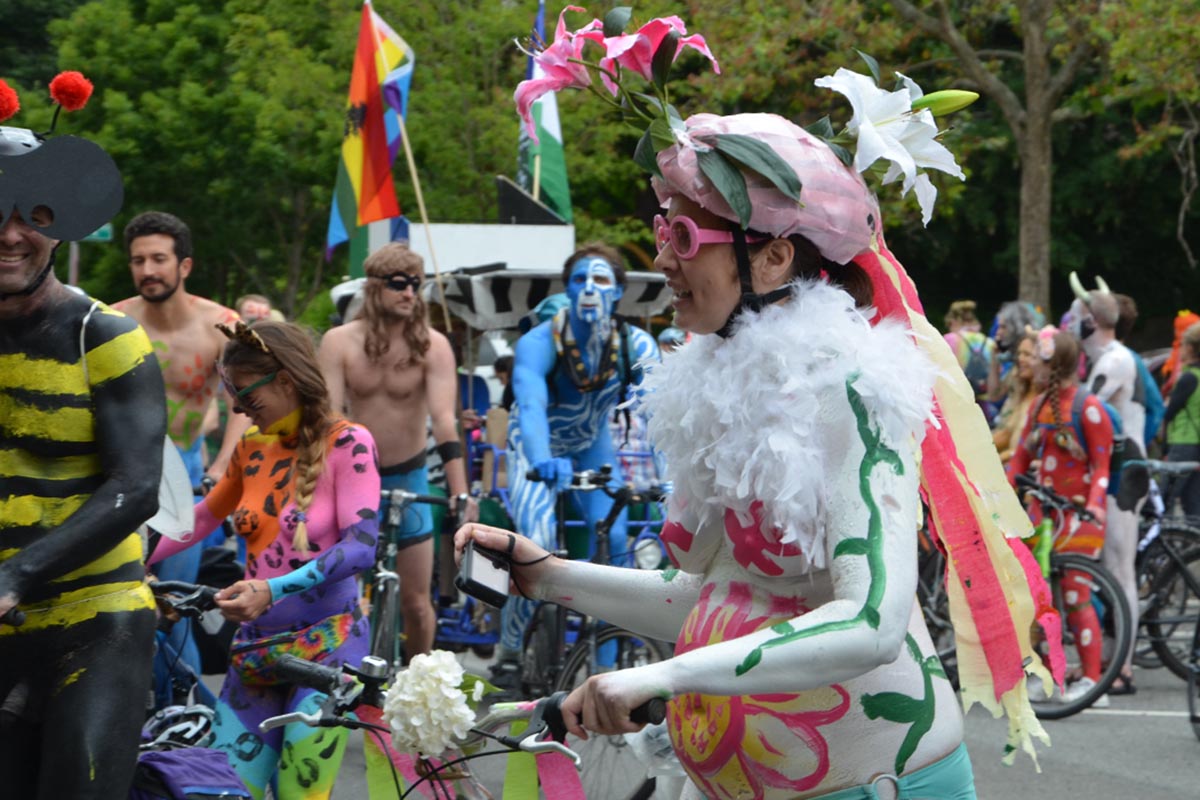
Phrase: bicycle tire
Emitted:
{"points": [[539, 663], [1175, 610], [384, 621], [610, 769], [1183, 534], [1193, 684], [1116, 623], [935, 608]]}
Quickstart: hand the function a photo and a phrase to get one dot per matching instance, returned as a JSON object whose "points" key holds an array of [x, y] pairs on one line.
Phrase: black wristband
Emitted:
{"points": [[448, 451]]}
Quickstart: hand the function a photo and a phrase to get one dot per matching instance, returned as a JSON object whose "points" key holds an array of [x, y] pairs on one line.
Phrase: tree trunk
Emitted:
{"points": [[1034, 238]]}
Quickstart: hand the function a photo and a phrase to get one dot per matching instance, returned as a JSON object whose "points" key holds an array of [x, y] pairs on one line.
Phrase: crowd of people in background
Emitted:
{"points": [[1070, 404]]}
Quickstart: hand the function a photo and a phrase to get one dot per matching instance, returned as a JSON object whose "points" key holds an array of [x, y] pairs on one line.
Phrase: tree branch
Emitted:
{"points": [[943, 27]]}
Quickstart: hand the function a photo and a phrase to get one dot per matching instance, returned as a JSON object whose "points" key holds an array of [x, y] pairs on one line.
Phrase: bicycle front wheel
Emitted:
{"points": [[610, 769], [1174, 612], [1116, 627], [385, 623]]}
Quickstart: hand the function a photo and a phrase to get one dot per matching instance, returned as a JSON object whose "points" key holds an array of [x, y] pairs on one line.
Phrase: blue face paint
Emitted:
{"points": [[593, 290]]}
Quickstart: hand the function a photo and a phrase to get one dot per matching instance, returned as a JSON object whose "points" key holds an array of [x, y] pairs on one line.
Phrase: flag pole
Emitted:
{"points": [[537, 175], [412, 171]]}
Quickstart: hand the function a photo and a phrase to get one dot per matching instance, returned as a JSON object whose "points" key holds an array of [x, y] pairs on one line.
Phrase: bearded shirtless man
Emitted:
{"points": [[388, 370], [182, 330]]}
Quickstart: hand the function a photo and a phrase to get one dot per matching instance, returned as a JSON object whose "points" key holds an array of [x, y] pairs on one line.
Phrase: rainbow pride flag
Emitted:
{"points": [[379, 84]]}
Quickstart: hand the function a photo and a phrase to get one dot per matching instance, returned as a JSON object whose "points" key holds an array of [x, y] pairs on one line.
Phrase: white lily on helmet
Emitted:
{"points": [[886, 127]]}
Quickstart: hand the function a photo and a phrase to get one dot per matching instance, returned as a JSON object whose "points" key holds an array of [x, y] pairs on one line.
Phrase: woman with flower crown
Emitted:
{"points": [[302, 488], [812, 407]]}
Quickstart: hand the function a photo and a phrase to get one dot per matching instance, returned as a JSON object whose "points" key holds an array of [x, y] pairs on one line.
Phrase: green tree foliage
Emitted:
{"points": [[229, 113]]}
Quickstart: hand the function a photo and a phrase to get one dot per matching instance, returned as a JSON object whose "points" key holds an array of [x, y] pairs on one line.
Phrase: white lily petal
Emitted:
{"points": [[926, 195], [929, 153], [914, 91]]}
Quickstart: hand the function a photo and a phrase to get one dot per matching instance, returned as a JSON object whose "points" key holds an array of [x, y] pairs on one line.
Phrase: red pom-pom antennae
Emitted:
{"points": [[9, 102], [71, 90]]}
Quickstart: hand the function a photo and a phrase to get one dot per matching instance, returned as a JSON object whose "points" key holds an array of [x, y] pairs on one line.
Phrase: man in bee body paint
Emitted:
{"points": [[82, 421]]}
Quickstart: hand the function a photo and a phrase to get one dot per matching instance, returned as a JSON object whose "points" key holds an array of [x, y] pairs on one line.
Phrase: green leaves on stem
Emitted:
{"points": [[720, 164]]}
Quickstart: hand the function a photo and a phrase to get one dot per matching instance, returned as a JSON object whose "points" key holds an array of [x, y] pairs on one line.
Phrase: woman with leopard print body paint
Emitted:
{"points": [[302, 488]]}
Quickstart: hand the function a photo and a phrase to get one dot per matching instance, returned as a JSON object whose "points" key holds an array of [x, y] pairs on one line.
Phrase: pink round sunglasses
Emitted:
{"points": [[685, 236]]}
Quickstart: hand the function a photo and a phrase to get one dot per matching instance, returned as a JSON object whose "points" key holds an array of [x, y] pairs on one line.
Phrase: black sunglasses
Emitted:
{"points": [[400, 281]]}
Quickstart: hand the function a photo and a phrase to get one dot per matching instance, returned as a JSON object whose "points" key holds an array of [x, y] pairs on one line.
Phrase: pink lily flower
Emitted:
{"points": [[554, 68], [635, 51]]}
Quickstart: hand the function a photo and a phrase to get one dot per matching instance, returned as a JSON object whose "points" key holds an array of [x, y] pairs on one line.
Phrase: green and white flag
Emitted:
{"points": [[542, 169]]}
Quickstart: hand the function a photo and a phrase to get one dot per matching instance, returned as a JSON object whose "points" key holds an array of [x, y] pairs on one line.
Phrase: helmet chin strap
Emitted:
{"points": [[750, 301], [38, 281]]}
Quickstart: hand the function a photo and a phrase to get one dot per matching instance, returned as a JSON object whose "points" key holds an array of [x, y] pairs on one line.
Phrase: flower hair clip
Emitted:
{"points": [[241, 332], [1045, 342]]}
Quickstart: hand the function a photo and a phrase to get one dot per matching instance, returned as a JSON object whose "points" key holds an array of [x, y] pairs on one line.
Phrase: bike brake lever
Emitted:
{"points": [[536, 746], [311, 720]]}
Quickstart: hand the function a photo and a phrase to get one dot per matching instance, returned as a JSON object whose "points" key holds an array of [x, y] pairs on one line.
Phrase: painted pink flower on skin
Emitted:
{"points": [[559, 68], [750, 745], [635, 51]]}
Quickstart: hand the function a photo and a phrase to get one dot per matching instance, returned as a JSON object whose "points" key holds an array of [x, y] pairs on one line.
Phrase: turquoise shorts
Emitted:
{"points": [[416, 521], [950, 778]]}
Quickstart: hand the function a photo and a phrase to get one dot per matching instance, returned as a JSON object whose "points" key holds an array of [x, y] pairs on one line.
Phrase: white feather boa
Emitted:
{"points": [[737, 419]]}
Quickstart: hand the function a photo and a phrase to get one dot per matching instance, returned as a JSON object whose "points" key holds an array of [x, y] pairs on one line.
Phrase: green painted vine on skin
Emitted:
{"points": [[872, 546], [917, 712]]}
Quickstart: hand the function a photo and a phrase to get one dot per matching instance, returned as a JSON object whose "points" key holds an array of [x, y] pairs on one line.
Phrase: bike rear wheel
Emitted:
{"points": [[1174, 613], [1115, 624], [610, 768]]}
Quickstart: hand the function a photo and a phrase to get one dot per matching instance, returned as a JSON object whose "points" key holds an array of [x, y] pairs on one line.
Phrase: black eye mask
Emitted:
{"points": [[72, 177]]}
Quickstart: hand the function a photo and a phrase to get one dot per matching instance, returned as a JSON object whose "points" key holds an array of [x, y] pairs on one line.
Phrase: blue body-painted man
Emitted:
{"points": [[569, 374]]}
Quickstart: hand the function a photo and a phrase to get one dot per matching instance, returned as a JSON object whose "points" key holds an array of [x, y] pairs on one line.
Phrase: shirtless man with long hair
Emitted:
{"points": [[388, 370]]}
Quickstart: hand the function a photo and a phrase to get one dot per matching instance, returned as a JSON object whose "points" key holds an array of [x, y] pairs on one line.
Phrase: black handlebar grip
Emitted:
{"points": [[14, 617], [651, 712], [306, 673]]}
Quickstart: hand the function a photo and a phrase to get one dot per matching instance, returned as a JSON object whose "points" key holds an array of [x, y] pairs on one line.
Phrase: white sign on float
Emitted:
{"points": [[519, 247]]}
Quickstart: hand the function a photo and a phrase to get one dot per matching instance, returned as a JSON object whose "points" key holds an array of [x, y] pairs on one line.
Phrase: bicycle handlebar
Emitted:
{"points": [[591, 480], [1047, 496], [348, 688], [1173, 468], [407, 498], [310, 674], [192, 600]]}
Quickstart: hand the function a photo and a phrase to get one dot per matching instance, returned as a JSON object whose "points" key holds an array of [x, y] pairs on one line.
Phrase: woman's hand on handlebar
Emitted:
{"points": [[1099, 514], [244, 600], [602, 703]]}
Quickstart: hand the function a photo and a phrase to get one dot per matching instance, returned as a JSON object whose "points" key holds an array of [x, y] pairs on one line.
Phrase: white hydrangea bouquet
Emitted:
{"points": [[430, 704]]}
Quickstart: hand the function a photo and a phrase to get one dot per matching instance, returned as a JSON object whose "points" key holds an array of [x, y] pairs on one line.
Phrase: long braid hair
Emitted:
{"points": [[288, 347], [1064, 372], [388, 260]]}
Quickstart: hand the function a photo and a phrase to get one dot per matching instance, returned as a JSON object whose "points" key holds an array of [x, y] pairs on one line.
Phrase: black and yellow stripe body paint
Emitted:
{"points": [[51, 464]]}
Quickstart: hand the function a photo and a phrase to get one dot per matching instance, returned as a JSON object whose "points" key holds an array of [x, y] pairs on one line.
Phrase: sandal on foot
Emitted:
{"points": [[1122, 684]]}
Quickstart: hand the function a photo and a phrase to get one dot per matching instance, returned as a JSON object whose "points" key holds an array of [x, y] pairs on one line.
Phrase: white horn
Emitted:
{"points": [[1102, 285], [1078, 289]]}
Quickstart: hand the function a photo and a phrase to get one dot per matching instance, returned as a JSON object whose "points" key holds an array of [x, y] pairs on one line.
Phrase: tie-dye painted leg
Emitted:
{"points": [[253, 755], [311, 757]]}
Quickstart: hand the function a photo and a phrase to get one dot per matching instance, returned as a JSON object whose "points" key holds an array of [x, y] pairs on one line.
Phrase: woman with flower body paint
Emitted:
{"points": [[302, 488], [813, 406]]}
